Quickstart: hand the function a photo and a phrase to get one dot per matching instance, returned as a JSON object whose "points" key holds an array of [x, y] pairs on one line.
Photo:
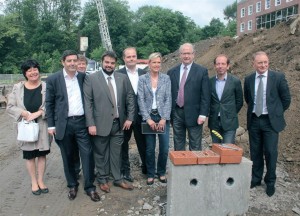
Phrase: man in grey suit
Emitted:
{"points": [[267, 95], [109, 103], [66, 122], [225, 102], [190, 99], [133, 73]]}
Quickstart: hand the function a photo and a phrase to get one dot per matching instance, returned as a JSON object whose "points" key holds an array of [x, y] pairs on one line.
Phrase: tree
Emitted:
{"points": [[230, 11], [12, 41], [214, 28], [158, 29]]}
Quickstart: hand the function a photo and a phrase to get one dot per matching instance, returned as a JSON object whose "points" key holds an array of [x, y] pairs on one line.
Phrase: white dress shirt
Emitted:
{"points": [[134, 78], [74, 95]]}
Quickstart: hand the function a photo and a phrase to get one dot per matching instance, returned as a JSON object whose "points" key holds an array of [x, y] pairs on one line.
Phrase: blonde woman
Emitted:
{"points": [[154, 100]]}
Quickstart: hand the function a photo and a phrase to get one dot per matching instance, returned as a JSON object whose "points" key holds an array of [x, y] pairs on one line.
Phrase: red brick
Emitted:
{"points": [[207, 157], [183, 157], [223, 151], [230, 159]]}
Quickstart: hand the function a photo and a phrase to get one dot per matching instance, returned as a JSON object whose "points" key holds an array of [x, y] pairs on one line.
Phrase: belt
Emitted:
{"points": [[154, 112], [75, 117], [115, 120], [179, 107], [261, 116]]}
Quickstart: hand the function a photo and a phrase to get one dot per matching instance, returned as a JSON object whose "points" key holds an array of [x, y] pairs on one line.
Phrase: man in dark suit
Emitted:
{"points": [[225, 102], [190, 99], [267, 95], [109, 102], [133, 73], [66, 122]]}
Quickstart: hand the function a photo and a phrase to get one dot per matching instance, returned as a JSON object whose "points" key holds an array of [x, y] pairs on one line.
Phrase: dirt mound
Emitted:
{"points": [[283, 48]]}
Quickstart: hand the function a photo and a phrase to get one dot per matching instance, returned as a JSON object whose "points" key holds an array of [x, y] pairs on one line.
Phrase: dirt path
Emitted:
{"points": [[16, 197]]}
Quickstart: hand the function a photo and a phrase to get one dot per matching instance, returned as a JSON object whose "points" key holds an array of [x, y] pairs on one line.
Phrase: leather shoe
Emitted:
{"points": [[94, 196], [37, 192], [150, 181], [128, 177], [72, 193], [124, 185], [162, 180], [104, 187], [254, 184], [44, 190], [270, 190]]}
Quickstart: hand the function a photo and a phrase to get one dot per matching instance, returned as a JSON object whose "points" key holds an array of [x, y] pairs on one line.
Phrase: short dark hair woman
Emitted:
{"points": [[27, 101]]}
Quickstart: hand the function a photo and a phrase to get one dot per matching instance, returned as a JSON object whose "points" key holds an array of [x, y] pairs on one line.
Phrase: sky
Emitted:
{"points": [[200, 11]]}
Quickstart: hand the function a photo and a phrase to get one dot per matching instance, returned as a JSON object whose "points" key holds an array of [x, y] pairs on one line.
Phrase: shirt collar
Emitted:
{"points": [[129, 71], [188, 66], [67, 75], [106, 76], [225, 78], [265, 74]]}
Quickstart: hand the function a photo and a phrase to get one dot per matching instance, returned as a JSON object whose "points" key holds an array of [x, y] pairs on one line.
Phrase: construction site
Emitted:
{"points": [[281, 43]]}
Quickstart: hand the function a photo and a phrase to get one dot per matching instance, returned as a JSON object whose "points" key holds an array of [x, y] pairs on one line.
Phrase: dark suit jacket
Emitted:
{"points": [[278, 98], [57, 106], [229, 106], [140, 72], [196, 92], [99, 105]]}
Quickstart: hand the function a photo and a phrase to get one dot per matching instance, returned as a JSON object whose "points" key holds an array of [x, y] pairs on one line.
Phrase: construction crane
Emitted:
{"points": [[103, 27]]}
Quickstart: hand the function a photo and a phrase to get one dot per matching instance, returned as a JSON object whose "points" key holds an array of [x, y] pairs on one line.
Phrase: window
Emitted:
{"points": [[242, 27], [267, 4], [258, 7], [277, 2], [250, 10], [250, 25], [242, 12]]}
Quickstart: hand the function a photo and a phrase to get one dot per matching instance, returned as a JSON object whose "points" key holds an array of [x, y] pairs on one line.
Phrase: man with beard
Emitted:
{"points": [[110, 109]]}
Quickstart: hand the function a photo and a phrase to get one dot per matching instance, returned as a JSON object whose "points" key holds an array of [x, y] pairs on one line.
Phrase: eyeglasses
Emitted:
{"points": [[186, 53]]}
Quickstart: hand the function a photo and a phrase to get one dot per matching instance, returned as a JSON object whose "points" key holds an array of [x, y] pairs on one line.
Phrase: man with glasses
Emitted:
{"points": [[190, 99]]}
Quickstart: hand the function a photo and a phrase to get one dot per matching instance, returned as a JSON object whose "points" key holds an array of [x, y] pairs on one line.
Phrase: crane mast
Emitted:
{"points": [[103, 27]]}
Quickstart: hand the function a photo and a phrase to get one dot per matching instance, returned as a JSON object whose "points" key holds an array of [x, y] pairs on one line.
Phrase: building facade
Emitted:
{"points": [[260, 14]]}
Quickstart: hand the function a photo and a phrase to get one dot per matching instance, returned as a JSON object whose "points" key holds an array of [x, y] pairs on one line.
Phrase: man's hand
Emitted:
{"points": [[127, 125], [52, 132], [92, 130], [200, 120]]}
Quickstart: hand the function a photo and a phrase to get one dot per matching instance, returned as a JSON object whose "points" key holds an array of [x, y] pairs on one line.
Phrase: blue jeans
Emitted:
{"points": [[163, 150]]}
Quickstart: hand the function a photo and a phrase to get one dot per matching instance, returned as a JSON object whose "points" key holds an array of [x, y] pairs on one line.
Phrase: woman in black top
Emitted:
{"points": [[27, 101]]}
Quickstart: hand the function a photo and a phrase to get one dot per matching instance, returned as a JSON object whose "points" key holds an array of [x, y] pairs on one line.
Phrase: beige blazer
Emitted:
{"points": [[15, 106]]}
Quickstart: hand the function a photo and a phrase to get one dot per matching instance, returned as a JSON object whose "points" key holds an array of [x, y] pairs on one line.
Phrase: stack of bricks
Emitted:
{"points": [[220, 154]]}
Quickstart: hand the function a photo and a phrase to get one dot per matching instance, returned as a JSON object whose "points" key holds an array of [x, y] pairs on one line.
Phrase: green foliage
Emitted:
{"points": [[97, 53], [230, 11], [158, 29], [230, 29], [214, 28], [43, 29]]}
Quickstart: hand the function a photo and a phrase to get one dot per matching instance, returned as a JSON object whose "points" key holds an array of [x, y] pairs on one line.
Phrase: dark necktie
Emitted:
{"points": [[180, 97], [259, 97], [112, 94]]}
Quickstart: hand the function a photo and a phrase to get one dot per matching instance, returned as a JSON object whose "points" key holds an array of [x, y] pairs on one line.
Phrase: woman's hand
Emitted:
{"points": [[152, 124], [161, 125], [34, 115]]}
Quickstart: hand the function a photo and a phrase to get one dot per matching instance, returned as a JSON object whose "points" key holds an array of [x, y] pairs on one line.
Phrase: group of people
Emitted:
{"points": [[92, 117]]}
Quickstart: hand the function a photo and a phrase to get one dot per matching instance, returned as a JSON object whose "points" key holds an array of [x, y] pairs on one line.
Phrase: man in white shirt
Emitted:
{"points": [[133, 73]]}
